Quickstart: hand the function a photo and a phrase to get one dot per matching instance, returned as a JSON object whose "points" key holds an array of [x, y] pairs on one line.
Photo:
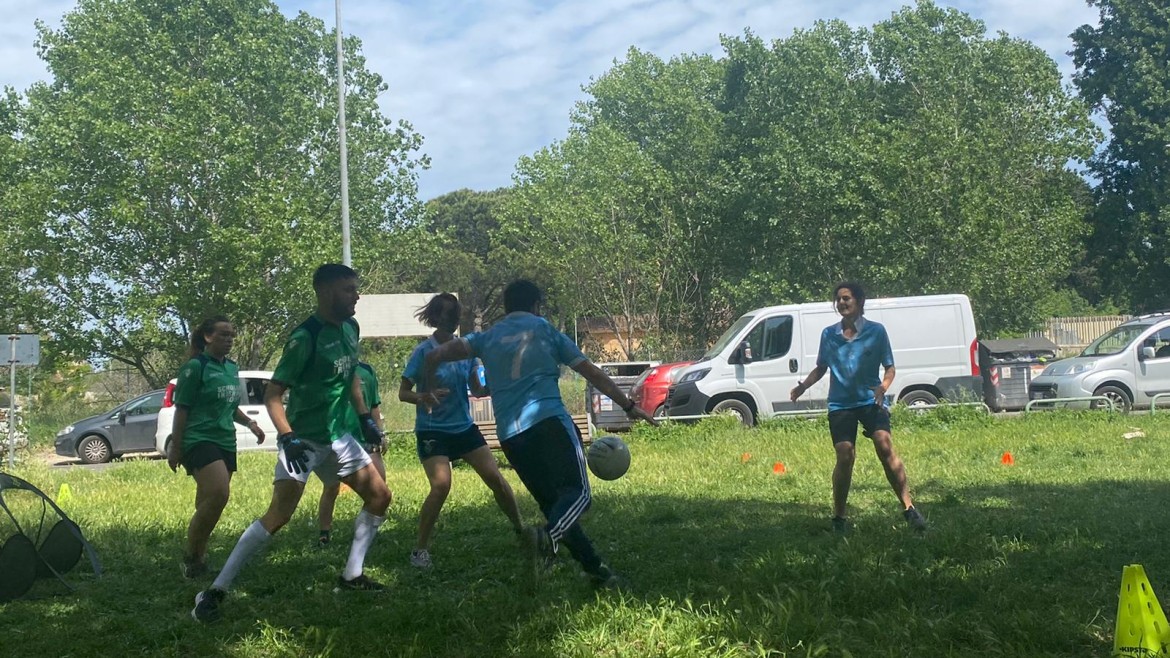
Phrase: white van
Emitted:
{"points": [[252, 383], [754, 365]]}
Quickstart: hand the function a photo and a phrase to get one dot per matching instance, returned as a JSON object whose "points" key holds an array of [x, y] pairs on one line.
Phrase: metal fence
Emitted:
{"points": [[1072, 335]]}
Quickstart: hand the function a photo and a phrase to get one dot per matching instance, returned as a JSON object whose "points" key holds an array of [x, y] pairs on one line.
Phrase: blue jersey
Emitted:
{"points": [[452, 415], [854, 364], [522, 355]]}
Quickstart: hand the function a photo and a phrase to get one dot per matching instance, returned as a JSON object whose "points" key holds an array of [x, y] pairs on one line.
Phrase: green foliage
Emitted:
{"points": [[1122, 72], [183, 162]]}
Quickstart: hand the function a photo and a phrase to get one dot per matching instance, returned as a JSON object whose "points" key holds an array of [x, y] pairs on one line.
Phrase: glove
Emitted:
{"points": [[373, 434], [296, 452]]}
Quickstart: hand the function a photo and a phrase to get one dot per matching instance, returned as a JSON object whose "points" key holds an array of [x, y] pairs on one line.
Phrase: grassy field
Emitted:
{"points": [[725, 558]]}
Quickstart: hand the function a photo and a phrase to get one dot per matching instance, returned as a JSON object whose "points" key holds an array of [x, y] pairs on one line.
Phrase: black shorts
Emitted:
{"points": [[205, 452], [451, 445], [843, 422]]}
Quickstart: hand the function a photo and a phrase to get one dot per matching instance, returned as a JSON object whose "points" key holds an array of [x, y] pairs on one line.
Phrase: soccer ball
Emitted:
{"points": [[608, 458]]}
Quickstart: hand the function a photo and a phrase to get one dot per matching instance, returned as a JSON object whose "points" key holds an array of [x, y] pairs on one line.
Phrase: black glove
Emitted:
{"points": [[296, 452], [373, 434]]}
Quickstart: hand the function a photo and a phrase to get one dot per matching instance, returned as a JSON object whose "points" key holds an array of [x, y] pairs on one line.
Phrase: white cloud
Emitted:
{"points": [[488, 82]]}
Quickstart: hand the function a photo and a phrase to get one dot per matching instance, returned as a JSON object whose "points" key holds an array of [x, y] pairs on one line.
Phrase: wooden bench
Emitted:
{"points": [[488, 427]]}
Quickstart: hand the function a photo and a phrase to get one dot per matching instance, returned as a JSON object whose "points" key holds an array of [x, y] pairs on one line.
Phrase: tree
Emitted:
{"points": [[1121, 71], [183, 162]]}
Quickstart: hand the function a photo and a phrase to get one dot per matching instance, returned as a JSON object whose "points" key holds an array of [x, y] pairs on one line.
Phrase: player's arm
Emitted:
{"points": [[242, 418], [407, 394], [452, 350], [274, 403], [879, 392], [356, 397], [178, 427], [610, 389], [807, 383]]}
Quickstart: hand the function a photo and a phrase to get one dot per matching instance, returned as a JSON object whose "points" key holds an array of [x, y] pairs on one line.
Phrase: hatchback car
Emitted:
{"points": [[252, 384], [649, 392], [126, 428]]}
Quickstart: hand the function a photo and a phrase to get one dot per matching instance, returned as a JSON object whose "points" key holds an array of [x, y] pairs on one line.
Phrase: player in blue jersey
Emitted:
{"points": [[522, 355], [852, 351], [444, 427]]}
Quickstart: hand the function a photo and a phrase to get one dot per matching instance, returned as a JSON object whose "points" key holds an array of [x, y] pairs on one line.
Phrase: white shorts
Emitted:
{"points": [[342, 458]]}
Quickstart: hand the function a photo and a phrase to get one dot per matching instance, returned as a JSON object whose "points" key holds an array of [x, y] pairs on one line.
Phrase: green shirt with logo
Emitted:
{"points": [[369, 392], [210, 391], [318, 366]]}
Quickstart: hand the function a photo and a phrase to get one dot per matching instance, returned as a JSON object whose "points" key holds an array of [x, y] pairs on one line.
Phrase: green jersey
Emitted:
{"points": [[318, 366], [210, 391], [369, 392]]}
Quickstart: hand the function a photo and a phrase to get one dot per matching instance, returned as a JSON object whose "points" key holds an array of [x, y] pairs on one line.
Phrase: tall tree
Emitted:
{"points": [[1122, 71], [183, 161]]}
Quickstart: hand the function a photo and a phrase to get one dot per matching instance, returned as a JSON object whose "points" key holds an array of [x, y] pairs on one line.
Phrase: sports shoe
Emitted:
{"points": [[538, 552], [915, 519], [421, 558], [362, 582], [324, 538], [207, 603], [605, 578], [840, 525], [193, 568]]}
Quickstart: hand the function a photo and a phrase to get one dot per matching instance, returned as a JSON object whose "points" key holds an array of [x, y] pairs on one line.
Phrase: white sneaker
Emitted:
{"points": [[420, 558]]}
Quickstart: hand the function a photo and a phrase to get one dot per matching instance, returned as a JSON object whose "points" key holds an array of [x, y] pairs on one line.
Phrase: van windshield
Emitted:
{"points": [[1115, 340], [727, 337]]}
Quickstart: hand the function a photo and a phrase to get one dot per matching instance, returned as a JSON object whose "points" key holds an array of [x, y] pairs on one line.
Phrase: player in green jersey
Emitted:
{"points": [[203, 437]]}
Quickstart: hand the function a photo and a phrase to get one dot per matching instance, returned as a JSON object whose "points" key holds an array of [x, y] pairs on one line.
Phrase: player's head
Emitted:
{"points": [[522, 295], [336, 286], [442, 312], [216, 331], [849, 298]]}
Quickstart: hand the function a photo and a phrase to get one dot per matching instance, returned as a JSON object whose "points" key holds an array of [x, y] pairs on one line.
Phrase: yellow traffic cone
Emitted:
{"points": [[64, 495], [1142, 630]]}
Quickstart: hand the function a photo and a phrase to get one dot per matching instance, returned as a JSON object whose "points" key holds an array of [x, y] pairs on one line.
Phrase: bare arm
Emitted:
{"points": [[477, 389], [879, 391], [273, 396], [407, 394], [813, 378], [603, 383], [242, 418], [355, 395], [452, 350]]}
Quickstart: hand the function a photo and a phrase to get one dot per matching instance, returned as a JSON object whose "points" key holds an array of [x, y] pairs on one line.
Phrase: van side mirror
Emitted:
{"points": [[742, 353], [1147, 353]]}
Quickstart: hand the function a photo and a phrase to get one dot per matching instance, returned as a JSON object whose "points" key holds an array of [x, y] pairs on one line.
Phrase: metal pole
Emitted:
{"points": [[12, 404], [346, 259]]}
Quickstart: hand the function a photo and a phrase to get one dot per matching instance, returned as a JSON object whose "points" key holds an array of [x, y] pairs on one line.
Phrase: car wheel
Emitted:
{"points": [[918, 399], [94, 449], [736, 408], [1117, 395], [660, 412]]}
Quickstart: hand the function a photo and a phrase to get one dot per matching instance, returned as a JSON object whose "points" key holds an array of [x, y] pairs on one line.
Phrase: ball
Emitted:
{"points": [[608, 458]]}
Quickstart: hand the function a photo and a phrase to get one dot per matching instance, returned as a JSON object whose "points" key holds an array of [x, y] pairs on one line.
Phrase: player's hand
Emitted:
{"points": [[431, 399], [638, 413], [374, 437], [175, 455], [259, 433], [797, 391], [296, 452], [879, 395]]}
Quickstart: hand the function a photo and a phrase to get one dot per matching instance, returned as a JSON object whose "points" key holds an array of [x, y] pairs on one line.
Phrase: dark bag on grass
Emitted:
{"points": [[37, 540]]}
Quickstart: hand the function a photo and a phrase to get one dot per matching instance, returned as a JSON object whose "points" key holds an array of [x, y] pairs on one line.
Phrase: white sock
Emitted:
{"points": [[365, 528], [251, 542]]}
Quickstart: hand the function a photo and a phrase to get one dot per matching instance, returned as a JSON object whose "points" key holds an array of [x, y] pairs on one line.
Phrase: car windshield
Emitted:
{"points": [[1115, 340], [727, 337]]}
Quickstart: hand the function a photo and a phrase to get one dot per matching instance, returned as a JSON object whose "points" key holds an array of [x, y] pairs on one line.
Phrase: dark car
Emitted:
{"points": [[649, 392], [127, 428]]}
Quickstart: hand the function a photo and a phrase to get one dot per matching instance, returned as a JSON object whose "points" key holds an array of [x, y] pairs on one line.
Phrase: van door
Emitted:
{"points": [[1153, 375], [252, 404], [775, 366]]}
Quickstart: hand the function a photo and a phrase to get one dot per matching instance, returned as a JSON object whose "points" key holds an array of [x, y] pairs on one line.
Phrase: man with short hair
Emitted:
{"points": [[316, 433], [852, 351], [522, 355]]}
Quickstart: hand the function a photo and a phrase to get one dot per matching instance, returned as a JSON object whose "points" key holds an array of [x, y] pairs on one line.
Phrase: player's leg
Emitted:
{"points": [[484, 463], [212, 490], [438, 470], [325, 507], [356, 469], [877, 427], [843, 430]]}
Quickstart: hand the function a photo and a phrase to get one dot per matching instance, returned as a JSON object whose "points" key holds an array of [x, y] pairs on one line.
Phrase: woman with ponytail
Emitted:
{"points": [[203, 439]]}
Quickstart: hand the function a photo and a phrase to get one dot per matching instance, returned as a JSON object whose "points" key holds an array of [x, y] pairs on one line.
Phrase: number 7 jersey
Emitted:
{"points": [[522, 355]]}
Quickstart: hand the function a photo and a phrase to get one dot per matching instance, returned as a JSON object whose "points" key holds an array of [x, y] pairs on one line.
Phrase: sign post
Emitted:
{"points": [[25, 350]]}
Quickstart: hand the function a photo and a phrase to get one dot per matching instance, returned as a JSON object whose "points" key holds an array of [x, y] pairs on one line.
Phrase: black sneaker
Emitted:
{"points": [[840, 525], [193, 568], [207, 603], [325, 537], [915, 519], [605, 578], [538, 552], [363, 583]]}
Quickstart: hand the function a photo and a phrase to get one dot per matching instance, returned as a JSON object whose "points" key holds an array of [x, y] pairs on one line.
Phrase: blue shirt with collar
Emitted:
{"points": [[854, 364], [452, 415]]}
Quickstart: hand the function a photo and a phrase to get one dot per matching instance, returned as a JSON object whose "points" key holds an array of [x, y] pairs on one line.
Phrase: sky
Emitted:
{"points": [[488, 81]]}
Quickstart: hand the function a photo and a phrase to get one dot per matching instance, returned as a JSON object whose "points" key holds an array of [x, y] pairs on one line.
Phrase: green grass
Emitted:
{"points": [[724, 558]]}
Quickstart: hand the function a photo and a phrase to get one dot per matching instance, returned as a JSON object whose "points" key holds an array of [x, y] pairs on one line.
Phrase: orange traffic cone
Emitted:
{"points": [[1007, 459], [778, 468], [745, 457]]}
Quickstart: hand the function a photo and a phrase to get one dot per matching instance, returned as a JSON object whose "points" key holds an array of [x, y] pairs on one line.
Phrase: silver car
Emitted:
{"points": [[1130, 365]]}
